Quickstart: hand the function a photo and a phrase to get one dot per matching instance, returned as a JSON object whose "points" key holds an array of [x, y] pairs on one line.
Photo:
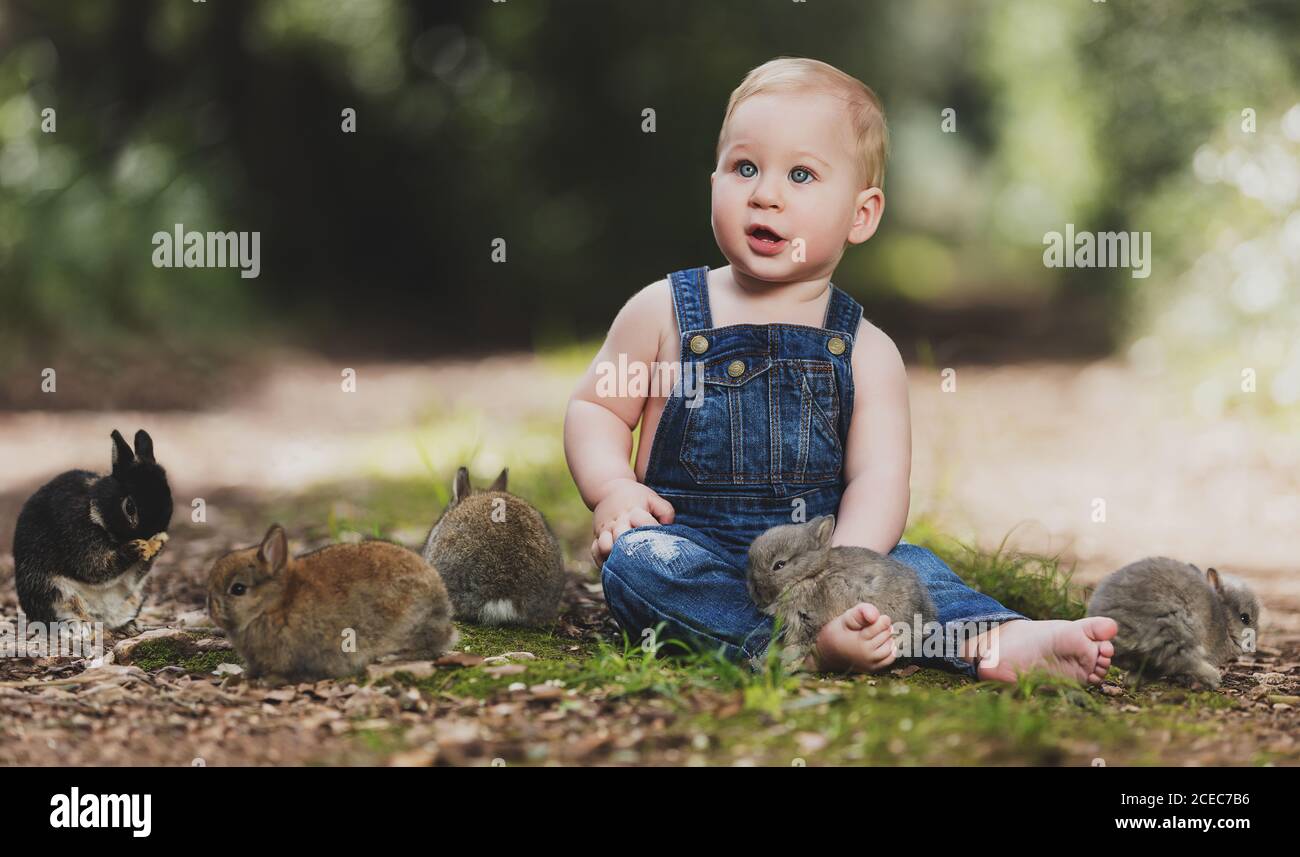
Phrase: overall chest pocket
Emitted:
{"points": [[759, 421]]}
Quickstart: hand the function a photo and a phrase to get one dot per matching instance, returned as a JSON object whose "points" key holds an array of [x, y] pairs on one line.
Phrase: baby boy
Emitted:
{"points": [[788, 404]]}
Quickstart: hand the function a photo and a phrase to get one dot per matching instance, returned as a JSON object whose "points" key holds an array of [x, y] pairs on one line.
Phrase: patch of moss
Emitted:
{"points": [[381, 742], [497, 640], [153, 655]]}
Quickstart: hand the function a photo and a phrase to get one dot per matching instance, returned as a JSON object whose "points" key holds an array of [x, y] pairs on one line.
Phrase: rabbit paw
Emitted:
{"points": [[1208, 675], [147, 549]]}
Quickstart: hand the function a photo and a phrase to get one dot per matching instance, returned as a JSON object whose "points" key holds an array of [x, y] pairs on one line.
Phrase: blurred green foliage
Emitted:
{"points": [[522, 121]]}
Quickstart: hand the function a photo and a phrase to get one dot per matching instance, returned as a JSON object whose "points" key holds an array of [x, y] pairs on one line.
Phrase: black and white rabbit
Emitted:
{"points": [[85, 542]]}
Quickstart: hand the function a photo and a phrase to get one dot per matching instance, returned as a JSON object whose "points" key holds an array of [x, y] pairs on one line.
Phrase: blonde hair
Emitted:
{"points": [[791, 74]]}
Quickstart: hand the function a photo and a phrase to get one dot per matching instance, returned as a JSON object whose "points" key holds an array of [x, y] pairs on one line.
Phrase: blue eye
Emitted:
{"points": [[800, 171], [746, 165]]}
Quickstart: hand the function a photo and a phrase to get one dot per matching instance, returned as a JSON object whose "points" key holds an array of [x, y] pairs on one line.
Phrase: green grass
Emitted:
{"points": [[777, 718], [773, 716], [1028, 583], [387, 508]]}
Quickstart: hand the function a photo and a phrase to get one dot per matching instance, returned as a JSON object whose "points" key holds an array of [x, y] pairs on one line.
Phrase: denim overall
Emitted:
{"points": [[761, 438]]}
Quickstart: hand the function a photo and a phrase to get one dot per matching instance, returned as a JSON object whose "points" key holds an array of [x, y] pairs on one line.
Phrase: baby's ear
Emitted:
{"points": [[274, 552], [825, 529]]}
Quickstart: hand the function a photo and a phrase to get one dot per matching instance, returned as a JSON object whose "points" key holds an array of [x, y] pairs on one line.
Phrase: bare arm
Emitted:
{"points": [[878, 456], [601, 416]]}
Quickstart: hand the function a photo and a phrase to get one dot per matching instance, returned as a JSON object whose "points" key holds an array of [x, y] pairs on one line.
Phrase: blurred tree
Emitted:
{"points": [[523, 121]]}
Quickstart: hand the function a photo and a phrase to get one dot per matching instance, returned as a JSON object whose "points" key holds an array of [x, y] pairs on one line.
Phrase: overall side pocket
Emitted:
{"points": [[811, 451]]}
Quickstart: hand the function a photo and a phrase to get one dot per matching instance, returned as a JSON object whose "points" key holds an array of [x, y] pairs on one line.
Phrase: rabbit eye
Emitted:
{"points": [[238, 589], [131, 513], [778, 565], [1245, 618]]}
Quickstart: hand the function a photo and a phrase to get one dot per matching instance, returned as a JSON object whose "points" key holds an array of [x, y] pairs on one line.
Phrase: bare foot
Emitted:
{"points": [[858, 640], [1080, 650]]}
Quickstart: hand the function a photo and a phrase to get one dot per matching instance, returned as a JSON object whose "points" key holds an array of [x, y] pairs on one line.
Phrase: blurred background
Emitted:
{"points": [[522, 121]]}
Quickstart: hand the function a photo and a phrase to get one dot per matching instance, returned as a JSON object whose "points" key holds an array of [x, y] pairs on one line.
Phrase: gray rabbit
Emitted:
{"points": [[795, 575], [1175, 621], [501, 564]]}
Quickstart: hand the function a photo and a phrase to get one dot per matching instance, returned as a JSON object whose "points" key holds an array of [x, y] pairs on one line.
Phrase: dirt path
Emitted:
{"points": [[1025, 450]]}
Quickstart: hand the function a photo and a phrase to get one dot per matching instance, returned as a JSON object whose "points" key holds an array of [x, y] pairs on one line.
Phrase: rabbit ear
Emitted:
{"points": [[500, 484], [1212, 576], [825, 529], [143, 446], [460, 487], [122, 454], [274, 550]]}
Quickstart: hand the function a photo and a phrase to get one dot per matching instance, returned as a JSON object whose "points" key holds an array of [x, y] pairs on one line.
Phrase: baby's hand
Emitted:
{"points": [[628, 504]]}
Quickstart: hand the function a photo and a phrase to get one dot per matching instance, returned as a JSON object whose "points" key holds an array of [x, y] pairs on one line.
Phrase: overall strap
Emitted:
{"points": [[842, 313], [690, 288]]}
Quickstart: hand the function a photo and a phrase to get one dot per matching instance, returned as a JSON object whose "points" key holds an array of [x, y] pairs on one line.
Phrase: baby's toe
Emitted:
{"points": [[860, 616]]}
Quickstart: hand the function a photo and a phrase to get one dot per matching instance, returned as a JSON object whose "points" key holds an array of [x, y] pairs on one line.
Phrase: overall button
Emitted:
{"points": [[835, 346], [699, 344], [736, 368]]}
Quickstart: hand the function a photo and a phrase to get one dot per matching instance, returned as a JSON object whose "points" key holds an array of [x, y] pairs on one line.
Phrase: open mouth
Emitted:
{"points": [[762, 233]]}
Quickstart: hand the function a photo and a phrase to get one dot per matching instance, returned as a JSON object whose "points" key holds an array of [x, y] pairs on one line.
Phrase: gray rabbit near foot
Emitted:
{"points": [[796, 576], [1175, 621]]}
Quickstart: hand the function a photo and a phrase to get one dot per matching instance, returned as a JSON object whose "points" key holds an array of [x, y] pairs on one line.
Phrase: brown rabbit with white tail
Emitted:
{"points": [[501, 564], [1175, 621], [328, 613]]}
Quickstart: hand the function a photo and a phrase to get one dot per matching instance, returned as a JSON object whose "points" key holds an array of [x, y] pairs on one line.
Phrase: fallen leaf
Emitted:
{"points": [[546, 691], [459, 659], [417, 669]]}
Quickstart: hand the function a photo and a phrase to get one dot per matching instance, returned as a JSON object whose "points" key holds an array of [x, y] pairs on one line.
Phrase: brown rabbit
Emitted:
{"points": [[501, 564], [327, 613]]}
